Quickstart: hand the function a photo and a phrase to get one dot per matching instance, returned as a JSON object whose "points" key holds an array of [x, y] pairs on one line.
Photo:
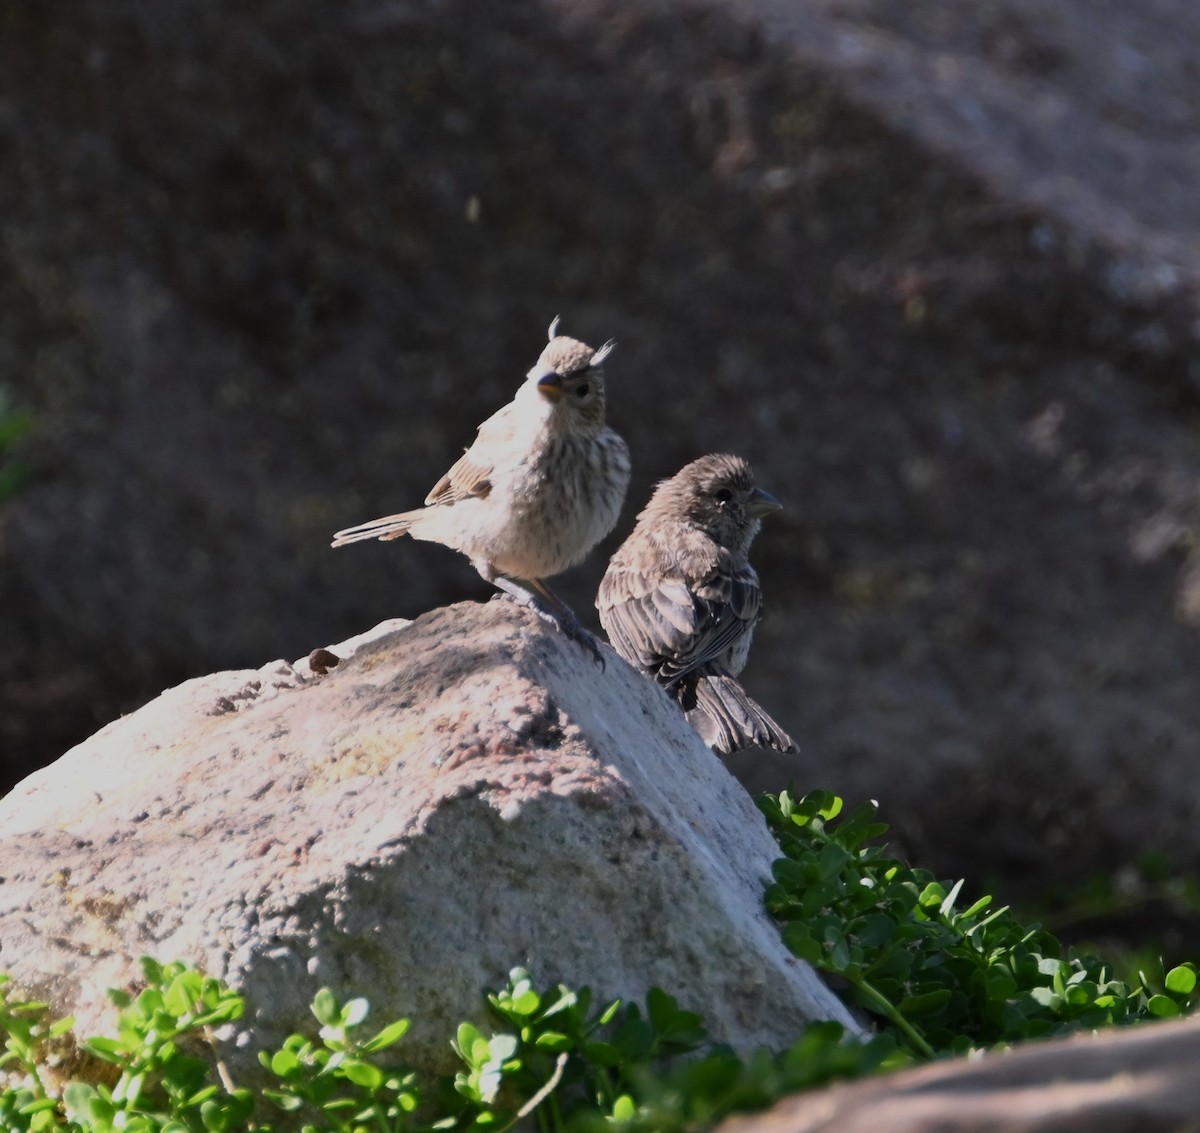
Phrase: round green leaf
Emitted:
{"points": [[624, 1108], [1163, 1007], [800, 942], [1181, 980], [284, 1063], [466, 1039], [503, 1047], [355, 1012], [362, 1073], [325, 1007], [932, 895]]}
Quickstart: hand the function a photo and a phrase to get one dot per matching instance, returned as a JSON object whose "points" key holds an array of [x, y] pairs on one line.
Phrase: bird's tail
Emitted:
{"points": [[728, 719], [389, 527]]}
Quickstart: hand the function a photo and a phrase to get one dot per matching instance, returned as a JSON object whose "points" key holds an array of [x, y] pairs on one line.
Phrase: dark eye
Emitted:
{"points": [[723, 495], [582, 391]]}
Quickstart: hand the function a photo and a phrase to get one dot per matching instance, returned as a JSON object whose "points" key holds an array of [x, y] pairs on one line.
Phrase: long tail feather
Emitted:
{"points": [[389, 527], [728, 719]]}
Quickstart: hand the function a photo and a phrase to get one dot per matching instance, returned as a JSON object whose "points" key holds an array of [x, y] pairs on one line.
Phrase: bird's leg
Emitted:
{"points": [[549, 606]]}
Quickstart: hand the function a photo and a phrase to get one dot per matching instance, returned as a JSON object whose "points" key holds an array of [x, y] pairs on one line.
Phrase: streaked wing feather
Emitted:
{"points": [[468, 477], [471, 474], [674, 605], [728, 603], [670, 630], [638, 617]]}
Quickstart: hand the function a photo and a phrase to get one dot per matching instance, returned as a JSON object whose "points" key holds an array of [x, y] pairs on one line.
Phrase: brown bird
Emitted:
{"points": [[680, 600], [542, 484]]}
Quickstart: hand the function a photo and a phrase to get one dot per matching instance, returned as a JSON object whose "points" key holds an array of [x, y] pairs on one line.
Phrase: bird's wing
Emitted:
{"points": [[647, 619], [728, 602], [671, 628], [471, 474], [467, 477]]}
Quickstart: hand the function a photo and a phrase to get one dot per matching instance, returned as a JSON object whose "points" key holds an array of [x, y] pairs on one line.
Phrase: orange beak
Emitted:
{"points": [[550, 386]]}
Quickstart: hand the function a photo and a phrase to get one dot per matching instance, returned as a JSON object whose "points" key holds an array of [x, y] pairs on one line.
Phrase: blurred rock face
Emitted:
{"points": [[262, 273], [1108, 1080]]}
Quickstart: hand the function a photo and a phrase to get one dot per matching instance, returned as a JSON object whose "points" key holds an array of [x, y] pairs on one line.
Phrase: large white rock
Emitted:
{"points": [[469, 792]]}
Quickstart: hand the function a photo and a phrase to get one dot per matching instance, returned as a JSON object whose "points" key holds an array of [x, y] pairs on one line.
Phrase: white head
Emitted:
{"points": [[570, 377]]}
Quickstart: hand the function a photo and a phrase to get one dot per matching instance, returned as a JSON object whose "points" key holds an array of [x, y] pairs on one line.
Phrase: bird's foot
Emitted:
{"points": [[566, 620], [561, 616]]}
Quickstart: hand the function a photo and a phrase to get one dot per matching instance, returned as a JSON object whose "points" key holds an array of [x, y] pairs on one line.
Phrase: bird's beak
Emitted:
{"points": [[762, 503], [550, 386]]}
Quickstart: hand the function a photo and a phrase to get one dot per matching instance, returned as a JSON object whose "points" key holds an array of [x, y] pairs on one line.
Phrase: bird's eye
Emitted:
{"points": [[723, 495], [581, 391]]}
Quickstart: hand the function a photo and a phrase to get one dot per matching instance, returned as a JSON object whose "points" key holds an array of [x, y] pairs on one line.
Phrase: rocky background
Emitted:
{"points": [[932, 267]]}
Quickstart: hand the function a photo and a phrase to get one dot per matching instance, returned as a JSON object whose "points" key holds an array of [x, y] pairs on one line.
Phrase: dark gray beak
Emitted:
{"points": [[762, 503]]}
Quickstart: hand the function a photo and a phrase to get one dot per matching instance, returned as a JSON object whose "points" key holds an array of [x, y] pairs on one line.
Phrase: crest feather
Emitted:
{"points": [[603, 352]]}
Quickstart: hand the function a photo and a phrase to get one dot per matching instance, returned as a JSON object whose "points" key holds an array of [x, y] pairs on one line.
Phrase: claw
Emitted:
{"points": [[575, 630], [559, 615]]}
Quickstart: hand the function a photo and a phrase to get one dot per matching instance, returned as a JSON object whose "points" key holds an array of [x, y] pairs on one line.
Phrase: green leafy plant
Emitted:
{"points": [[339, 1076], [553, 1060], [550, 1059], [552, 1050], [163, 1082], [27, 1036], [159, 1085], [944, 974]]}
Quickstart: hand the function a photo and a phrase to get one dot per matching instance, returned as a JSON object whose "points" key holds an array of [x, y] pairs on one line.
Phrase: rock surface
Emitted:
{"points": [[1139, 1079], [467, 793]]}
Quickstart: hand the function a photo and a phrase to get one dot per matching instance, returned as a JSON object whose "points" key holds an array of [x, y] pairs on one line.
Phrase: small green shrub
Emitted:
{"points": [[160, 1083], [945, 975], [551, 1060]]}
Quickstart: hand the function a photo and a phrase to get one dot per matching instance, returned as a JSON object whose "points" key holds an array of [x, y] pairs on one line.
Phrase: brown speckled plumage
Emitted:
{"points": [[680, 600]]}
